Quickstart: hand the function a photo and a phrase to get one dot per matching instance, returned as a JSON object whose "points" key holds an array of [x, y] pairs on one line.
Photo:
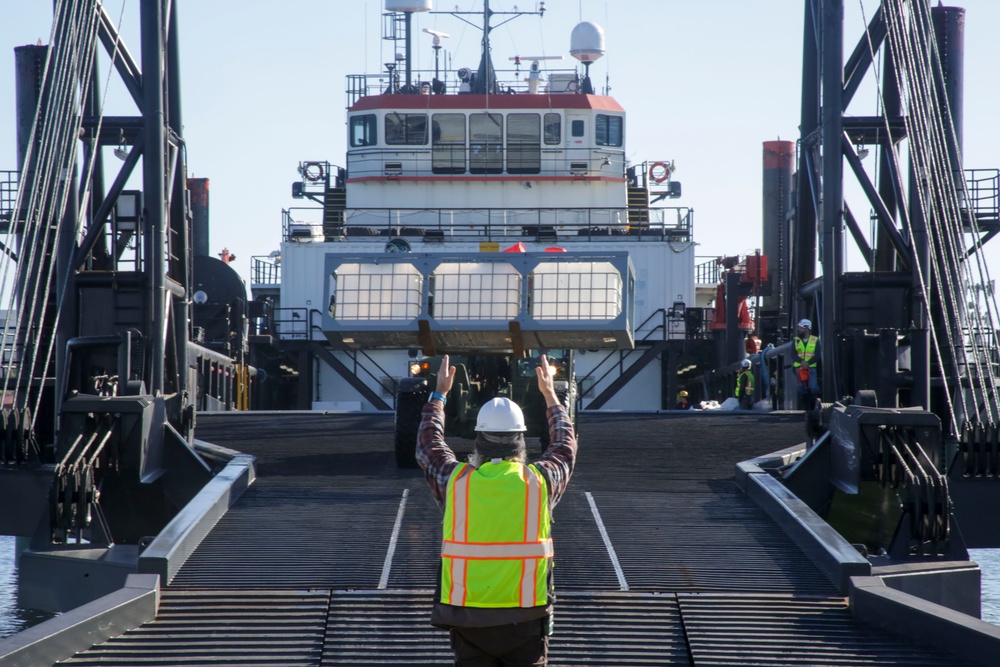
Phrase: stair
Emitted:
{"points": [[638, 206], [334, 205]]}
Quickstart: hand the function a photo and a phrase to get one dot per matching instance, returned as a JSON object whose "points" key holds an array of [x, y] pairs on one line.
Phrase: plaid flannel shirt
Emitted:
{"points": [[438, 460]]}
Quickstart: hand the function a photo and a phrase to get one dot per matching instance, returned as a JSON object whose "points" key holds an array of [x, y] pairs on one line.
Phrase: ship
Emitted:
{"points": [[412, 249], [502, 179]]}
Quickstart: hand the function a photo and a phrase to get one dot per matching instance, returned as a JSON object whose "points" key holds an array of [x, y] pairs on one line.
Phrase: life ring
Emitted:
{"points": [[313, 171], [659, 172]]}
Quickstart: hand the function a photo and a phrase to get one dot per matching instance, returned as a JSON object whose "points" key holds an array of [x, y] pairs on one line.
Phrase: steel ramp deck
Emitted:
{"points": [[330, 558]]}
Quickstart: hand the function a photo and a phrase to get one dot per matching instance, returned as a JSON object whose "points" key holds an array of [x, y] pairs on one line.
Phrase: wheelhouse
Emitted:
{"points": [[394, 136]]}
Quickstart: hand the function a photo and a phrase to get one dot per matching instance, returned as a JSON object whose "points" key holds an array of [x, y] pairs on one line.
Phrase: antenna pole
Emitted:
{"points": [[486, 70], [409, 67], [486, 26]]}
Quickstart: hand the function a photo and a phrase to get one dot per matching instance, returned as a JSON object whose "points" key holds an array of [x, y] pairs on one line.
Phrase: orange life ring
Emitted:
{"points": [[659, 172], [313, 171]]}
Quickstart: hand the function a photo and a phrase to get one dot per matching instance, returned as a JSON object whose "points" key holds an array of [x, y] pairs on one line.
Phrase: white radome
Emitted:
{"points": [[586, 43]]}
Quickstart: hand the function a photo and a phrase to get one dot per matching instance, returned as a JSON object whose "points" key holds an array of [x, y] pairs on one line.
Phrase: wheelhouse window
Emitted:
{"points": [[608, 130], [448, 142], [524, 148], [576, 128], [408, 129], [485, 143], [364, 130], [553, 129]]}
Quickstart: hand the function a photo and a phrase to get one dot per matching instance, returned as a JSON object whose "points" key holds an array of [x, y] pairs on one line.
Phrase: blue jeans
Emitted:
{"points": [[808, 388]]}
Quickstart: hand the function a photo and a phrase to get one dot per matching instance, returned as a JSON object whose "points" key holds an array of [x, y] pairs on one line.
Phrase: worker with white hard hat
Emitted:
{"points": [[494, 592], [807, 354], [744, 385]]}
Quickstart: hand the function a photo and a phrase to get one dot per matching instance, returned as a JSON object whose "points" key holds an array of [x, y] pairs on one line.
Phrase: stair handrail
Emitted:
{"points": [[355, 353], [622, 355]]}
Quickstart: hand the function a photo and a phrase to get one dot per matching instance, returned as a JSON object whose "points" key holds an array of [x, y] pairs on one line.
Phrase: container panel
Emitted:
{"points": [[376, 292], [584, 290], [476, 291]]}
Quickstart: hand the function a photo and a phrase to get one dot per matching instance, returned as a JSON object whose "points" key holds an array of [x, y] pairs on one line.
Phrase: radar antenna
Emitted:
{"points": [[534, 74], [438, 86]]}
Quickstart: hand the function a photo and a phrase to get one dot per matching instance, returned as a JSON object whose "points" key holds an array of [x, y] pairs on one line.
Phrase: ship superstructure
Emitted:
{"points": [[482, 213]]}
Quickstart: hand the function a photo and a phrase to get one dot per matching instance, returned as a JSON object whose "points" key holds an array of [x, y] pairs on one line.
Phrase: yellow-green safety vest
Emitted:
{"points": [[496, 549], [749, 379], [806, 350]]}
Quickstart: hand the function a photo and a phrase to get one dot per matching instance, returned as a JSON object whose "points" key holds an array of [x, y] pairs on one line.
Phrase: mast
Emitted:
{"points": [[486, 78]]}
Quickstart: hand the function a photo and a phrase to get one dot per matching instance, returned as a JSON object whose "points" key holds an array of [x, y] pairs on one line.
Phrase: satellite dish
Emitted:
{"points": [[586, 43]]}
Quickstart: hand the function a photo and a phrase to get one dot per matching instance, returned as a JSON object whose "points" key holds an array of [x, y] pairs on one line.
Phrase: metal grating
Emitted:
{"points": [[728, 630], [581, 559], [415, 561], [615, 630], [704, 542], [248, 629], [360, 628], [384, 628], [295, 538], [322, 511]]}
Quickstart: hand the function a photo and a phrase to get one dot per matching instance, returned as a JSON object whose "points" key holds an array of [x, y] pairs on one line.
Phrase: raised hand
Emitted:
{"points": [[446, 376], [546, 375]]}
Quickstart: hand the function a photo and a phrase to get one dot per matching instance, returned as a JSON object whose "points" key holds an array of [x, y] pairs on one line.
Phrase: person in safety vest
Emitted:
{"points": [[682, 401], [807, 353], [744, 385], [494, 592]]}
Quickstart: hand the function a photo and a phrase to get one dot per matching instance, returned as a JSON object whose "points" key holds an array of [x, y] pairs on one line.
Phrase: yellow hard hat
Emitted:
{"points": [[682, 394]]}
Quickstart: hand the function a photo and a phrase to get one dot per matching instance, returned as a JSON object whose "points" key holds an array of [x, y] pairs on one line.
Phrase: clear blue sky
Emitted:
{"points": [[704, 82]]}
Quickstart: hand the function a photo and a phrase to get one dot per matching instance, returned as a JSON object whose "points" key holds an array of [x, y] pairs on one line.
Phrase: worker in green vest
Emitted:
{"points": [[744, 385], [807, 354], [494, 591]]}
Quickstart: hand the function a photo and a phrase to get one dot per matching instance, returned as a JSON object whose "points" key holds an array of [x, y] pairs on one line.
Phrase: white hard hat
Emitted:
{"points": [[500, 415], [745, 363], [806, 324]]}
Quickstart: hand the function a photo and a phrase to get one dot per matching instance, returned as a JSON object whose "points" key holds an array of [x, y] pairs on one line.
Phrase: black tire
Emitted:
{"points": [[408, 411]]}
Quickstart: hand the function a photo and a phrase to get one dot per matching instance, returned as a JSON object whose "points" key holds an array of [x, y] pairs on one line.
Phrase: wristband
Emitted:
{"points": [[441, 397]]}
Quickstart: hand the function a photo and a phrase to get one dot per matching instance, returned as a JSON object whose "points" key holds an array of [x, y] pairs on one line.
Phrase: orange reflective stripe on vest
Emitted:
{"points": [[496, 547]]}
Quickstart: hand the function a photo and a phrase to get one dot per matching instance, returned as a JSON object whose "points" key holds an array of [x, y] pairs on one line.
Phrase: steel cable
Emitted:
{"points": [[55, 165], [50, 165], [950, 233], [929, 128], [85, 178]]}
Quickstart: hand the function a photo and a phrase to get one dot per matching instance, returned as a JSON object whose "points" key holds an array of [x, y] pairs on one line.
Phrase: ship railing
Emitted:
{"points": [[297, 323], [509, 82], [708, 271], [983, 192], [981, 347], [265, 269], [518, 163], [659, 224], [8, 195]]}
